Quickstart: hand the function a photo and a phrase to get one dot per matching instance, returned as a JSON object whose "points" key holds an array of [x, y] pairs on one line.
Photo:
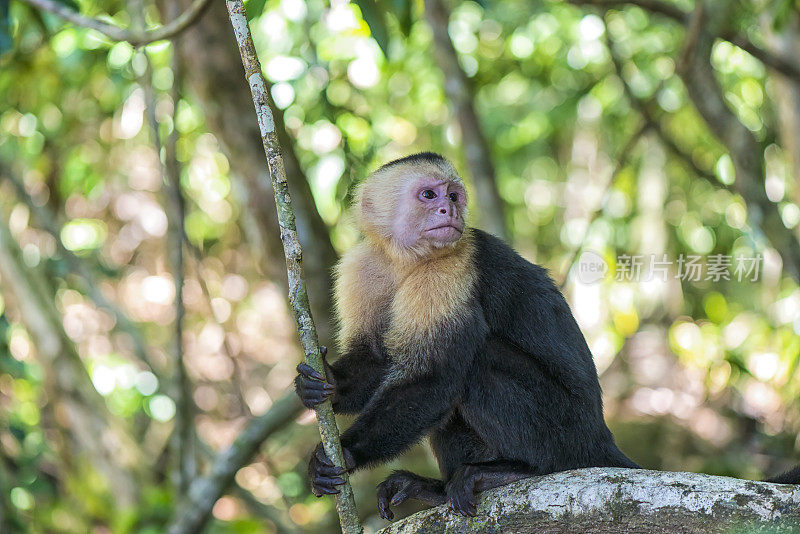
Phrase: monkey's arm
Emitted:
{"points": [[396, 416], [409, 403], [351, 380], [357, 375]]}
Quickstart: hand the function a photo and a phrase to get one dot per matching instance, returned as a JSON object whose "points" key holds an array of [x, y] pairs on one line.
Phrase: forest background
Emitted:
{"points": [[146, 348]]}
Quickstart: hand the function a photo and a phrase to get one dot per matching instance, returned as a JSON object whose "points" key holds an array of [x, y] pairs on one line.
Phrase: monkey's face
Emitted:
{"points": [[431, 211], [416, 205]]}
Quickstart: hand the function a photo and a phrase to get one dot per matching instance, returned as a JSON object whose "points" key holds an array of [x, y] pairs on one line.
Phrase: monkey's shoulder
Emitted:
{"points": [[504, 278], [496, 260]]}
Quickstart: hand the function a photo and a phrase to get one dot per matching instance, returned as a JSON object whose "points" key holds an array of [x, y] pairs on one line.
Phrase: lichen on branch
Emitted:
{"points": [[616, 500]]}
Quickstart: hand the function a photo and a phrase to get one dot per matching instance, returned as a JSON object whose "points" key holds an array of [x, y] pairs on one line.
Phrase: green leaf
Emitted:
{"points": [[373, 15], [6, 41], [254, 8]]}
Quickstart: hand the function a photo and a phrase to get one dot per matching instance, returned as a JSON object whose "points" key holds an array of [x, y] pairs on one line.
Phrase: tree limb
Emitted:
{"points": [[298, 297], [115, 33], [193, 512], [745, 151], [774, 59], [618, 501]]}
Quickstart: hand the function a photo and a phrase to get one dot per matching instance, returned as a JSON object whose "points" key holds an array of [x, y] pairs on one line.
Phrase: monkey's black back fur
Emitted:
{"points": [[789, 477]]}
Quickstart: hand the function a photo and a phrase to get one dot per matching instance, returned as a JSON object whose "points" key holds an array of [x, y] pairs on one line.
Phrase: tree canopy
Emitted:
{"points": [[647, 153]]}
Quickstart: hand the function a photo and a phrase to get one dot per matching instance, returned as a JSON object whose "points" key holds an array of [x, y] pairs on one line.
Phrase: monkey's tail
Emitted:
{"points": [[789, 477]]}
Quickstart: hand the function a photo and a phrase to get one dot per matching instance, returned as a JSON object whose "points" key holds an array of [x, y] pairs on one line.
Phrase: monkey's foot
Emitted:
{"points": [[461, 490], [323, 474], [403, 485], [472, 478]]}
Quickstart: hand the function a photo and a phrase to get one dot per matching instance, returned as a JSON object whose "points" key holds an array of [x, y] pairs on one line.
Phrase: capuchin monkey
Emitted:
{"points": [[447, 332]]}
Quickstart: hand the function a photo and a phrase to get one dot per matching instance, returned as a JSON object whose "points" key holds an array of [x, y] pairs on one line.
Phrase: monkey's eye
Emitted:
{"points": [[454, 197], [428, 193]]}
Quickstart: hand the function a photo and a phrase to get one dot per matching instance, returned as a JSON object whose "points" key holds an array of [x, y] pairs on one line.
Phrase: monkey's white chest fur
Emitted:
{"points": [[412, 301]]}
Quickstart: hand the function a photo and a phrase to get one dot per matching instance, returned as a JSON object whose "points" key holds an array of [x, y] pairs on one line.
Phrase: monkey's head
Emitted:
{"points": [[416, 204]]}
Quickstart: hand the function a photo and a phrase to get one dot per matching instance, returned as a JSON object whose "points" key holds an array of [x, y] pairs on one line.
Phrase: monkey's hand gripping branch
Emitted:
{"points": [[311, 386]]}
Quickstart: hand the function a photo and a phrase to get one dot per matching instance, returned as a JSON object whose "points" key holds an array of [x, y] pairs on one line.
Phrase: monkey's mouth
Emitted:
{"points": [[458, 229], [445, 233]]}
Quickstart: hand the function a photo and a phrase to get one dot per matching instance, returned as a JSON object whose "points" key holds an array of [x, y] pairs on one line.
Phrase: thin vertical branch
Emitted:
{"points": [[184, 442], [298, 297], [177, 224]]}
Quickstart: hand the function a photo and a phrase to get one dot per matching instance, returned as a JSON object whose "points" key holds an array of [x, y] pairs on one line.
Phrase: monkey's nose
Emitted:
{"points": [[443, 211]]}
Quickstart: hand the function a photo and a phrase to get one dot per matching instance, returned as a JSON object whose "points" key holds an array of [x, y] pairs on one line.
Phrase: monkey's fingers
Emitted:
{"points": [[401, 495], [328, 471], [324, 480], [312, 399], [461, 493], [329, 481], [308, 371], [313, 392], [312, 384], [463, 502], [384, 492], [384, 511], [319, 491]]}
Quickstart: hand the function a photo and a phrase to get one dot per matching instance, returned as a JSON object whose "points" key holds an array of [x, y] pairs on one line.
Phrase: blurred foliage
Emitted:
{"points": [[698, 375]]}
